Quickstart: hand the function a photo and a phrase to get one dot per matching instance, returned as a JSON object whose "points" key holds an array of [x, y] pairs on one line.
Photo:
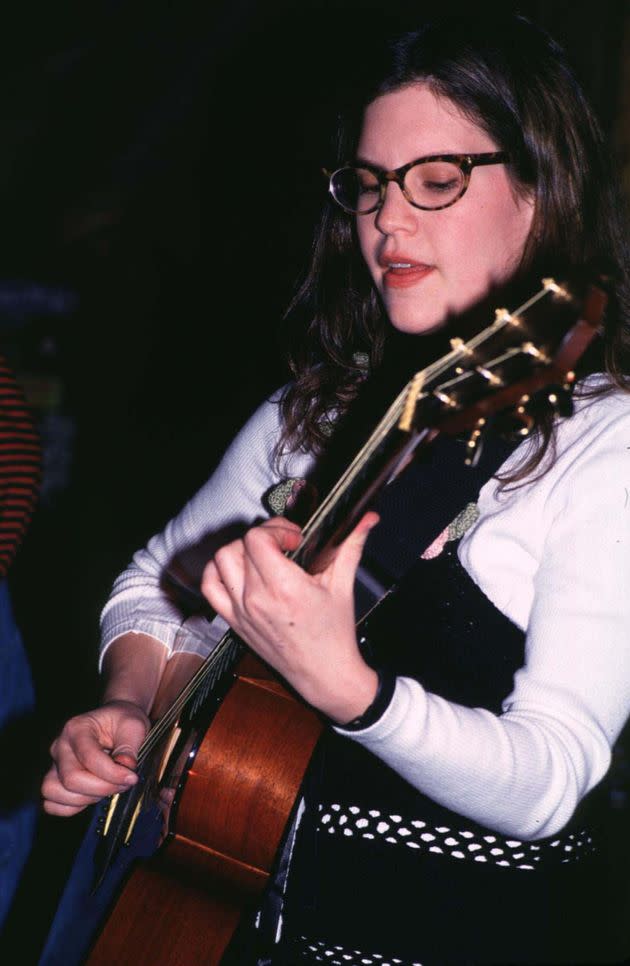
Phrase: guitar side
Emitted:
{"points": [[232, 812]]}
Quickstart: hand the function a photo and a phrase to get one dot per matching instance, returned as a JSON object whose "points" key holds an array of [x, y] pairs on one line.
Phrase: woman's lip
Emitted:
{"points": [[407, 276]]}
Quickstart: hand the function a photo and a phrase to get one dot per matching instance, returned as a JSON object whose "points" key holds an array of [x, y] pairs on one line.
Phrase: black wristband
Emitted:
{"points": [[380, 704]]}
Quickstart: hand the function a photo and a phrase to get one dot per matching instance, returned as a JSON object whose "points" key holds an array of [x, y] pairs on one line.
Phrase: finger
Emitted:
{"points": [[54, 791], [285, 533], [77, 780], [348, 556], [265, 548], [124, 754], [66, 799], [84, 756], [92, 758], [62, 811], [215, 592], [167, 796], [229, 563]]}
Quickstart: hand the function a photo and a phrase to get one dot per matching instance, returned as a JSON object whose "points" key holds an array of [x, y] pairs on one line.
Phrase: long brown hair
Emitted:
{"points": [[513, 80]]}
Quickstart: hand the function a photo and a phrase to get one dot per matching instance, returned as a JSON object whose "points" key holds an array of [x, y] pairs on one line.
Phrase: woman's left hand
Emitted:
{"points": [[300, 623]]}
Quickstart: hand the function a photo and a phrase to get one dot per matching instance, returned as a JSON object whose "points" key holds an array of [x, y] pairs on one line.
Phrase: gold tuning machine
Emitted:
{"points": [[458, 345], [445, 399], [516, 422], [523, 418], [532, 350], [560, 398], [503, 317], [474, 444], [557, 291], [491, 377]]}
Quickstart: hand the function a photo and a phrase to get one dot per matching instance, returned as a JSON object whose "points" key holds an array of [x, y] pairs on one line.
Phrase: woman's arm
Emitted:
{"points": [[159, 593], [523, 772], [146, 624], [95, 754], [556, 557]]}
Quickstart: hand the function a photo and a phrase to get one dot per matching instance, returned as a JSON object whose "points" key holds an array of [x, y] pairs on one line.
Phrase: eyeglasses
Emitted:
{"points": [[430, 183]]}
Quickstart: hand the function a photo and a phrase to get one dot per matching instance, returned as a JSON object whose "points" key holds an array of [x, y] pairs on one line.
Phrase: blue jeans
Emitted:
{"points": [[81, 911], [18, 807]]}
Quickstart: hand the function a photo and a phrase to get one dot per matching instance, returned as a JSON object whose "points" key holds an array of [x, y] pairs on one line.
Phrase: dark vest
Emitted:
{"points": [[381, 870]]}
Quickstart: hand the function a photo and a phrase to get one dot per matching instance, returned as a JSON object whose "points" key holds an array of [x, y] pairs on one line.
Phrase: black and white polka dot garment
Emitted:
{"points": [[317, 951], [452, 843]]}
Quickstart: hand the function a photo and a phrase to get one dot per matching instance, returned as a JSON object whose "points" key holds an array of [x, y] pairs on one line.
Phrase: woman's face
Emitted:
{"points": [[429, 265]]}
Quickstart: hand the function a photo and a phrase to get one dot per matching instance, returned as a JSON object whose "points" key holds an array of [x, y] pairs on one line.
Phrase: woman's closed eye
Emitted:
{"points": [[441, 186], [367, 183]]}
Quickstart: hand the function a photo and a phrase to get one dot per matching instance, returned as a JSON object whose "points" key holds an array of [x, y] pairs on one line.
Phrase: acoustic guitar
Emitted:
{"points": [[227, 758]]}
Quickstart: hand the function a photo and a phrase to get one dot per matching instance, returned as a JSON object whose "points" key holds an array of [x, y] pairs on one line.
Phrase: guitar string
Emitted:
{"points": [[230, 646]]}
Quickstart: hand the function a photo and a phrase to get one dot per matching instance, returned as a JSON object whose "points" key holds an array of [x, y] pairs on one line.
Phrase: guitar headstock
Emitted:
{"points": [[499, 370]]}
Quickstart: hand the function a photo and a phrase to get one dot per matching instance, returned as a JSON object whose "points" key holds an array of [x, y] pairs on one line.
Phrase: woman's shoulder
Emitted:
{"points": [[601, 411], [591, 447], [601, 395], [259, 439], [600, 418]]}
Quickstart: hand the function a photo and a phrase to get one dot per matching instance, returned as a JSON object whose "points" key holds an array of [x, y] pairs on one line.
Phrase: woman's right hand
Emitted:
{"points": [[94, 757], [95, 754]]}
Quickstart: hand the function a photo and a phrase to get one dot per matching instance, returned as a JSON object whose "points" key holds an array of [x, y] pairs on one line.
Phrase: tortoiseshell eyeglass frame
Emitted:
{"points": [[465, 163]]}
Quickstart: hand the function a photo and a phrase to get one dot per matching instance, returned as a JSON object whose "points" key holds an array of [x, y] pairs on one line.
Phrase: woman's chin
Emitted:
{"points": [[416, 323]]}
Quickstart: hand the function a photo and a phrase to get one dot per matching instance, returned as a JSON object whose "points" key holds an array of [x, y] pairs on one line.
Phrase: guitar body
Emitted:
{"points": [[182, 907]]}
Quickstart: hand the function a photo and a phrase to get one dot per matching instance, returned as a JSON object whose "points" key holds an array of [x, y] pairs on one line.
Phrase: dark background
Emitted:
{"points": [[159, 183]]}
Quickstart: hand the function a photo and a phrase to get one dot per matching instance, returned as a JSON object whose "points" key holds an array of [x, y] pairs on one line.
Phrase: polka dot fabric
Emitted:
{"points": [[452, 843], [310, 951]]}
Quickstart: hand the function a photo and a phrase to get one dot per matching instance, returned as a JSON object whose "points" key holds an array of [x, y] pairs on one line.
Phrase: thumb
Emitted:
{"points": [[128, 737], [349, 553], [125, 755]]}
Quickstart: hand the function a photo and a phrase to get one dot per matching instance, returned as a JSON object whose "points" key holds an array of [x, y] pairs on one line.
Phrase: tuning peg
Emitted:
{"points": [[560, 399], [458, 345], [524, 421], [532, 350], [491, 377], [503, 317], [474, 444], [463, 350], [557, 291], [516, 422], [445, 399]]}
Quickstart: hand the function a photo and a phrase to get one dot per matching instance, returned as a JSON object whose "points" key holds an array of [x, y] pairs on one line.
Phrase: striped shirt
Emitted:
{"points": [[20, 466]]}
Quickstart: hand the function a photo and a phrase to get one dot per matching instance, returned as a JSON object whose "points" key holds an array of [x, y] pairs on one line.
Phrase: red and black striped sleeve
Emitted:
{"points": [[20, 466]]}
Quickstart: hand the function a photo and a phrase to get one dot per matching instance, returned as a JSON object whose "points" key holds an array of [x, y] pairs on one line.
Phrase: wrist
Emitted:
{"points": [[385, 687], [132, 668], [125, 703]]}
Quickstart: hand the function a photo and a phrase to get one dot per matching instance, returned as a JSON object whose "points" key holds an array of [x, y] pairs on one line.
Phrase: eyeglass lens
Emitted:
{"points": [[430, 184]]}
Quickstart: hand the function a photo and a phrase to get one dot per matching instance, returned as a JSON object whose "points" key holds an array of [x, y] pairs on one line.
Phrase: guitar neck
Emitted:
{"points": [[387, 448]]}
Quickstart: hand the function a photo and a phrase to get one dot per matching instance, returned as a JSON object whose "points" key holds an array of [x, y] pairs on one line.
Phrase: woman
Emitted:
{"points": [[451, 810]]}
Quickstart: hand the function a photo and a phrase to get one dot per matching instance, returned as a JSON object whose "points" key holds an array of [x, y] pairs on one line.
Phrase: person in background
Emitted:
{"points": [[454, 807], [20, 469]]}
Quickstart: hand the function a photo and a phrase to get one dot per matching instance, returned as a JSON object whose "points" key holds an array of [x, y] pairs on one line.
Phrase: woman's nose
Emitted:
{"points": [[395, 214]]}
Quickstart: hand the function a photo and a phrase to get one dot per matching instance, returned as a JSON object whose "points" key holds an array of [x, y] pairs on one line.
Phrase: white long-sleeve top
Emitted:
{"points": [[552, 555]]}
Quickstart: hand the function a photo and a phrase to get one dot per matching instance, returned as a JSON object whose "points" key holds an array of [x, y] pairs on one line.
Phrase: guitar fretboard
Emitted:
{"points": [[194, 695]]}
